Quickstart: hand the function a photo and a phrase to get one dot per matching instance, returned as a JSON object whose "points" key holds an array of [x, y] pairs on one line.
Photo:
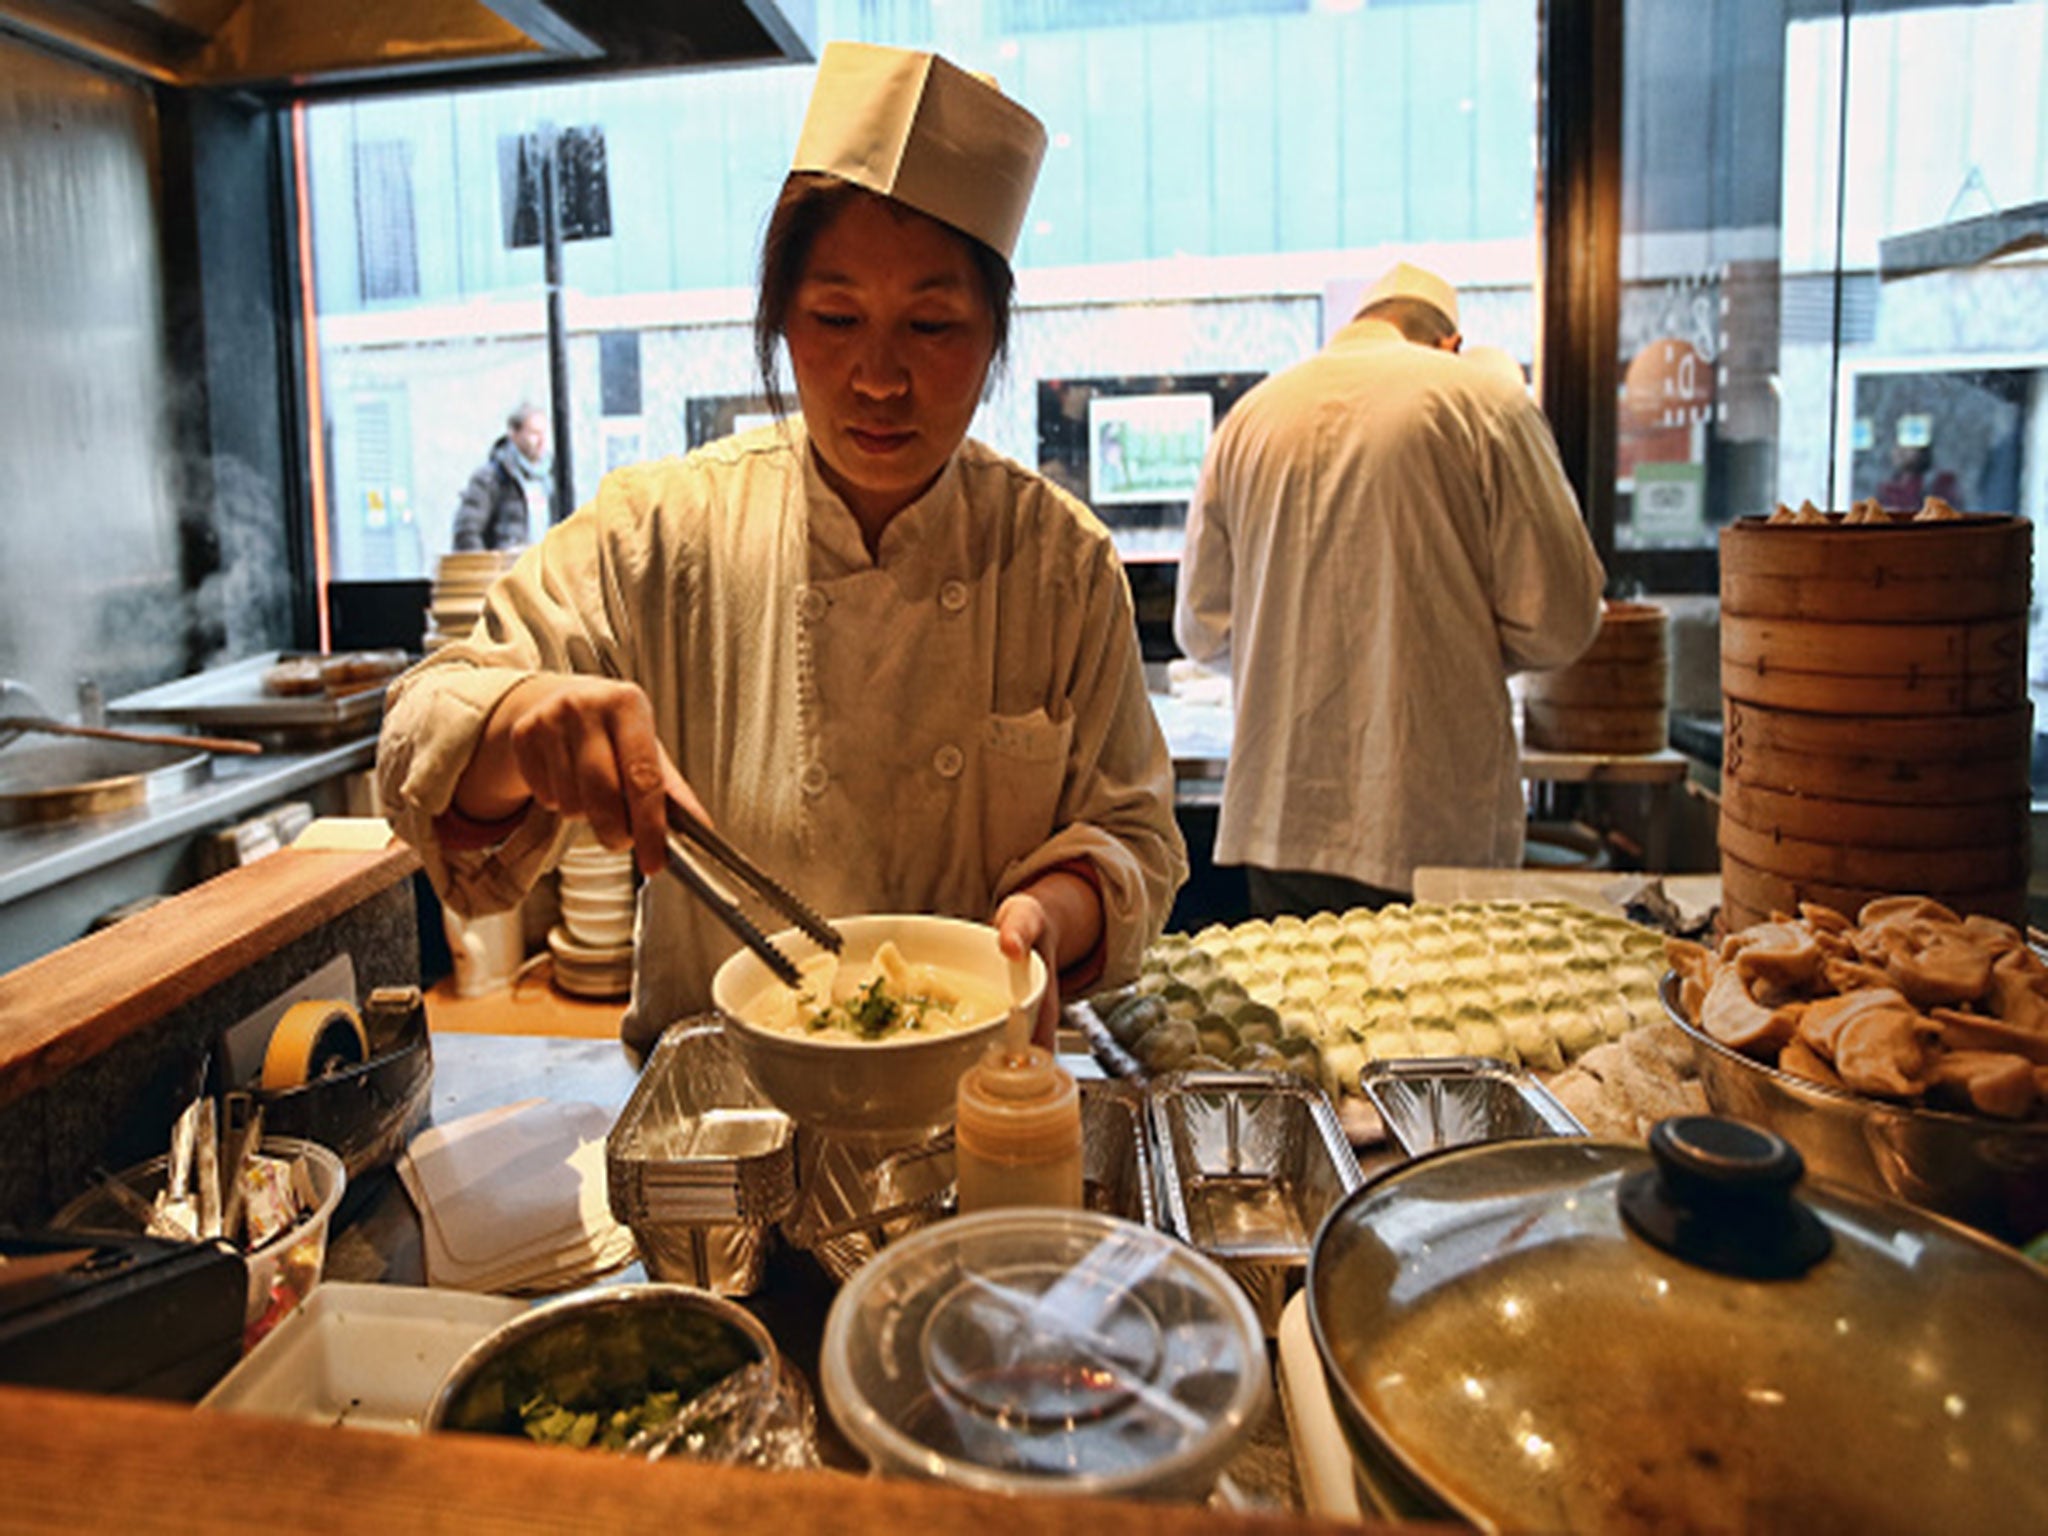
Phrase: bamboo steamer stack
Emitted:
{"points": [[1614, 698], [1878, 732]]}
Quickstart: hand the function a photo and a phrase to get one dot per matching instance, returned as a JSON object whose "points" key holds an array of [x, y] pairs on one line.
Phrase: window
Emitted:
{"points": [[1223, 178], [387, 248]]}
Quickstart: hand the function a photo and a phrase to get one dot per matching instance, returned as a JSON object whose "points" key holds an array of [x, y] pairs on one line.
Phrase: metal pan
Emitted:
{"points": [[44, 782]]}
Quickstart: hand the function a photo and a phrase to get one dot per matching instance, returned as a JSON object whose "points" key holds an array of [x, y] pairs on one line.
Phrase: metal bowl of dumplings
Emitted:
{"points": [[1987, 1173], [1570, 1335]]}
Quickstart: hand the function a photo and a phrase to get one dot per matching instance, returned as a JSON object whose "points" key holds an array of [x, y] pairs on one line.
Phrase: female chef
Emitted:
{"points": [[899, 671]]}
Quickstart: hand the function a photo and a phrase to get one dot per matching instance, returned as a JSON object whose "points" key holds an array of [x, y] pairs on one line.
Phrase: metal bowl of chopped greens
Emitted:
{"points": [[647, 1370], [874, 1041]]}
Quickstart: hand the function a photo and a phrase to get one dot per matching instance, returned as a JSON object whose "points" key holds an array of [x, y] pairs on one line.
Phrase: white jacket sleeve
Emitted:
{"points": [[1201, 607], [1547, 577]]}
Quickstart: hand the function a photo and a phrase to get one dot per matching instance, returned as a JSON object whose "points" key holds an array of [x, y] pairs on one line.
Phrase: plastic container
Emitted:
{"points": [[1046, 1352], [289, 1264], [1017, 1132]]}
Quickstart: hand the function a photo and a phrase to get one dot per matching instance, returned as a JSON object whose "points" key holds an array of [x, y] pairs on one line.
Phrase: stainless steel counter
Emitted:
{"points": [[55, 879]]}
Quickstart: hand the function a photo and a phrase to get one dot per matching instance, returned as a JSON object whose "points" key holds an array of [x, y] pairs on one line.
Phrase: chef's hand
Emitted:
{"points": [[1059, 916], [582, 747]]}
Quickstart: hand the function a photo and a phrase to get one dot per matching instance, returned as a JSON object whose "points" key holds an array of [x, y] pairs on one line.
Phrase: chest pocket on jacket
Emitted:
{"points": [[1024, 767]]}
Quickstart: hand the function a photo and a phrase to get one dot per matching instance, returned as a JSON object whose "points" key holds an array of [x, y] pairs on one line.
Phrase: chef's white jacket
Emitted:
{"points": [[1380, 536], [923, 731]]}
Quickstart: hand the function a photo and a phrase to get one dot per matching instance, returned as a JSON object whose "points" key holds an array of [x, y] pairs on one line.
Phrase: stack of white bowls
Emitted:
{"points": [[593, 944], [460, 581]]}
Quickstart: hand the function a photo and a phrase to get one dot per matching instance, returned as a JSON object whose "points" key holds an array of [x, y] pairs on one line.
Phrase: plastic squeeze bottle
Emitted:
{"points": [[1017, 1119], [1017, 1135]]}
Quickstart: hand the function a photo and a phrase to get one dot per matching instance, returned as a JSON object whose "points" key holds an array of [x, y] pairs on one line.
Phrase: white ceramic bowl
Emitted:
{"points": [[903, 1086]]}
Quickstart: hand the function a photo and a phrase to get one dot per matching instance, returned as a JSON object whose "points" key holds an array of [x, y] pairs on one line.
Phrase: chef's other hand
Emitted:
{"points": [[1023, 925], [582, 747]]}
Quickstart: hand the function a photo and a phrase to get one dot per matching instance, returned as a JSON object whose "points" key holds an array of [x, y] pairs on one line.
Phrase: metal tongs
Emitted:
{"points": [[690, 840]]}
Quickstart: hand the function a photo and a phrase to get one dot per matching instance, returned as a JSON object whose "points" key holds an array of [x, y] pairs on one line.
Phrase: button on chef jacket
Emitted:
{"points": [[922, 731], [1380, 535]]}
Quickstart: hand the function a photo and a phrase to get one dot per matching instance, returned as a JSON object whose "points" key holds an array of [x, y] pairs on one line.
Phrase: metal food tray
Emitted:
{"points": [[233, 698], [1450, 1101], [1249, 1165], [699, 1165], [1117, 1176]]}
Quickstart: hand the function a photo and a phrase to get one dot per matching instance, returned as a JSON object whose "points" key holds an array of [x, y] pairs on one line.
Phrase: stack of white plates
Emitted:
{"points": [[593, 944], [460, 581]]}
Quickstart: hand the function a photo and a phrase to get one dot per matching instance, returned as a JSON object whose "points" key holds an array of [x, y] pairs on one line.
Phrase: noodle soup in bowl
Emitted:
{"points": [[876, 1040]]}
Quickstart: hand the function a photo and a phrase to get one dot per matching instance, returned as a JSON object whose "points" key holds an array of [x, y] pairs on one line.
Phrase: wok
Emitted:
{"points": [[43, 782], [1569, 1335]]}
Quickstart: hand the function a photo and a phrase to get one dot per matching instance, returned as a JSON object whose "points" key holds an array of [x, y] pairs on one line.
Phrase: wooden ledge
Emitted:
{"points": [[72, 1463], [72, 1005]]}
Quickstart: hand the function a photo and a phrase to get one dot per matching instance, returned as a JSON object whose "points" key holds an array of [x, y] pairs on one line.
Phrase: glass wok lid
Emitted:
{"points": [[1565, 1335]]}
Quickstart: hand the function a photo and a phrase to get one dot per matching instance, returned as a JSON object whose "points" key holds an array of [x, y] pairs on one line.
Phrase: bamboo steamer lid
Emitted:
{"points": [[1613, 699]]}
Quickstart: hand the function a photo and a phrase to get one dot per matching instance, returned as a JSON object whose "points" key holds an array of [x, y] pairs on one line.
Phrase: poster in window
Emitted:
{"points": [[1147, 448]]}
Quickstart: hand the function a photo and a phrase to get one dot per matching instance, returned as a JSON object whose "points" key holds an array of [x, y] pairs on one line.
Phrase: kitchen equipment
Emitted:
{"points": [[1045, 1352], [118, 1313], [1117, 1175], [612, 1347], [1877, 737], [1570, 1335], [43, 782], [692, 843], [361, 1356], [280, 1272], [699, 1164], [15, 724], [1613, 697], [1987, 1173], [899, 1088], [233, 698], [1250, 1162], [1430, 1104]]}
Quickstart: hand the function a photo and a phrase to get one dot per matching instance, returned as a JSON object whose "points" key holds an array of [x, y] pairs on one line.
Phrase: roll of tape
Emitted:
{"points": [[313, 1039]]}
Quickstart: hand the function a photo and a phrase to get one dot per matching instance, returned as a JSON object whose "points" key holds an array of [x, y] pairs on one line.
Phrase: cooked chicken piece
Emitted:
{"points": [[2019, 990], [1739, 1021], [1801, 1060], [1822, 918], [1938, 966], [1993, 935], [1991, 1082], [1979, 1032], [1775, 960], [1845, 975], [1875, 1039], [1887, 909], [1688, 958]]}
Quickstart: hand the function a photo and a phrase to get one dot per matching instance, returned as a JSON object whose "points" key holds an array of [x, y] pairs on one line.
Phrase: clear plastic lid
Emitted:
{"points": [[1048, 1351]]}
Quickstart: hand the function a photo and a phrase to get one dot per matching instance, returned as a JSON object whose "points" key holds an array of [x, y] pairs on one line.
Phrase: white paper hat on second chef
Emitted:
{"points": [[1407, 281], [928, 134]]}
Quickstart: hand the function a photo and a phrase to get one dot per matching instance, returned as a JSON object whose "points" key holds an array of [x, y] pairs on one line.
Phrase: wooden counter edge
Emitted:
{"points": [[70, 1462], [73, 1004]]}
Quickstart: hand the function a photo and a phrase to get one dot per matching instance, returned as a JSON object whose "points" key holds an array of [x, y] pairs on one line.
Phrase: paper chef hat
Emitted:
{"points": [[913, 127], [1406, 281]]}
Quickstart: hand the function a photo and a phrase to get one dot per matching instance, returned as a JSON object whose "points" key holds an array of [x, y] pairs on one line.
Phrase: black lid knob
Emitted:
{"points": [[1721, 1196]]}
